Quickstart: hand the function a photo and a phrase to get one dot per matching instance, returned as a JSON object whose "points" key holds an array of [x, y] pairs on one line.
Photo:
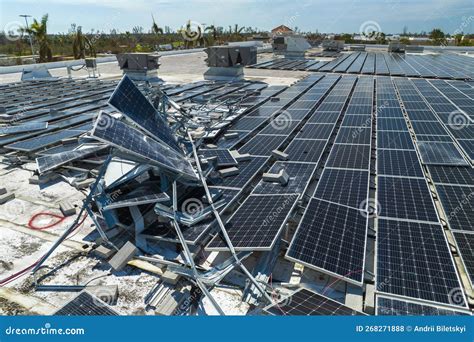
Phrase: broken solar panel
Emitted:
{"points": [[465, 244], [86, 304], [304, 302], [130, 101], [299, 173], [331, 238], [50, 162], [257, 223], [405, 198], [458, 205], [414, 260], [396, 307], [137, 199], [440, 153], [116, 133], [224, 157], [26, 127]]}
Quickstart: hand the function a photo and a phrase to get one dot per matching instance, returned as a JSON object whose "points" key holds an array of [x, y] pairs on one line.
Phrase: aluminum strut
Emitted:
{"points": [[189, 256], [222, 227]]}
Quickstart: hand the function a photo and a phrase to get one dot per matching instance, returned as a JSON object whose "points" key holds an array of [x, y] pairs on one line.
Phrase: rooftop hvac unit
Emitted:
{"points": [[227, 62], [290, 46], [396, 47], [333, 45], [139, 66]]}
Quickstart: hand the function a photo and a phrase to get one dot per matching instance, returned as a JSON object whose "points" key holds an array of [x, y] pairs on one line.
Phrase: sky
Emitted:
{"points": [[334, 16]]}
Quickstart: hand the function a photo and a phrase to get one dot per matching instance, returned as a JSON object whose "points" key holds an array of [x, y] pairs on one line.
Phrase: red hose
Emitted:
{"points": [[30, 225]]}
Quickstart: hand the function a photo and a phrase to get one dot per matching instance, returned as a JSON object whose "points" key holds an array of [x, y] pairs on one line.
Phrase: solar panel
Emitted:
{"points": [[262, 145], [304, 302], [247, 124], [414, 260], [50, 162], [138, 197], [45, 140], [324, 117], [224, 157], [394, 140], [354, 182], [26, 127], [440, 153], [398, 163], [349, 157], [354, 135], [116, 133], [392, 125], [389, 112], [86, 304], [357, 121], [257, 223], [300, 174], [458, 205], [129, 100], [405, 198], [280, 126], [468, 147], [248, 169], [331, 238], [308, 151], [316, 131], [395, 307], [452, 174], [428, 127], [465, 244]]}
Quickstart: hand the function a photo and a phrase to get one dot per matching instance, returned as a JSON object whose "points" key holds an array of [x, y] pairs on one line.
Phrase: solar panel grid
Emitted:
{"points": [[398, 163], [349, 157], [465, 245], [458, 205], [395, 307]]}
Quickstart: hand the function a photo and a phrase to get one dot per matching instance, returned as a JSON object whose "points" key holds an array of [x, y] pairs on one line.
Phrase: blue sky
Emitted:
{"points": [[308, 15]]}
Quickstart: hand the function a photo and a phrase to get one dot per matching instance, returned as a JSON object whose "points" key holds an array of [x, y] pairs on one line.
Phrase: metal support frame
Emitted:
{"points": [[189, 256], [76, 221], [222, 227]]}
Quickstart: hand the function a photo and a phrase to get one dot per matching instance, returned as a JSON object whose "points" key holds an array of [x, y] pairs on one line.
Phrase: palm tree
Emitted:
{"points": [[214, 33], [39, 31], [155, 28]]}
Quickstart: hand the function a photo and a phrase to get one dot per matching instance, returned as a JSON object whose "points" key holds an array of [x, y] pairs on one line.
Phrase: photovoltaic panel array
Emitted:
{"points": [[387, 306], [304, 302], [130, 101], [442, 65], [413, 257], [458, 204], [332, 233]]}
